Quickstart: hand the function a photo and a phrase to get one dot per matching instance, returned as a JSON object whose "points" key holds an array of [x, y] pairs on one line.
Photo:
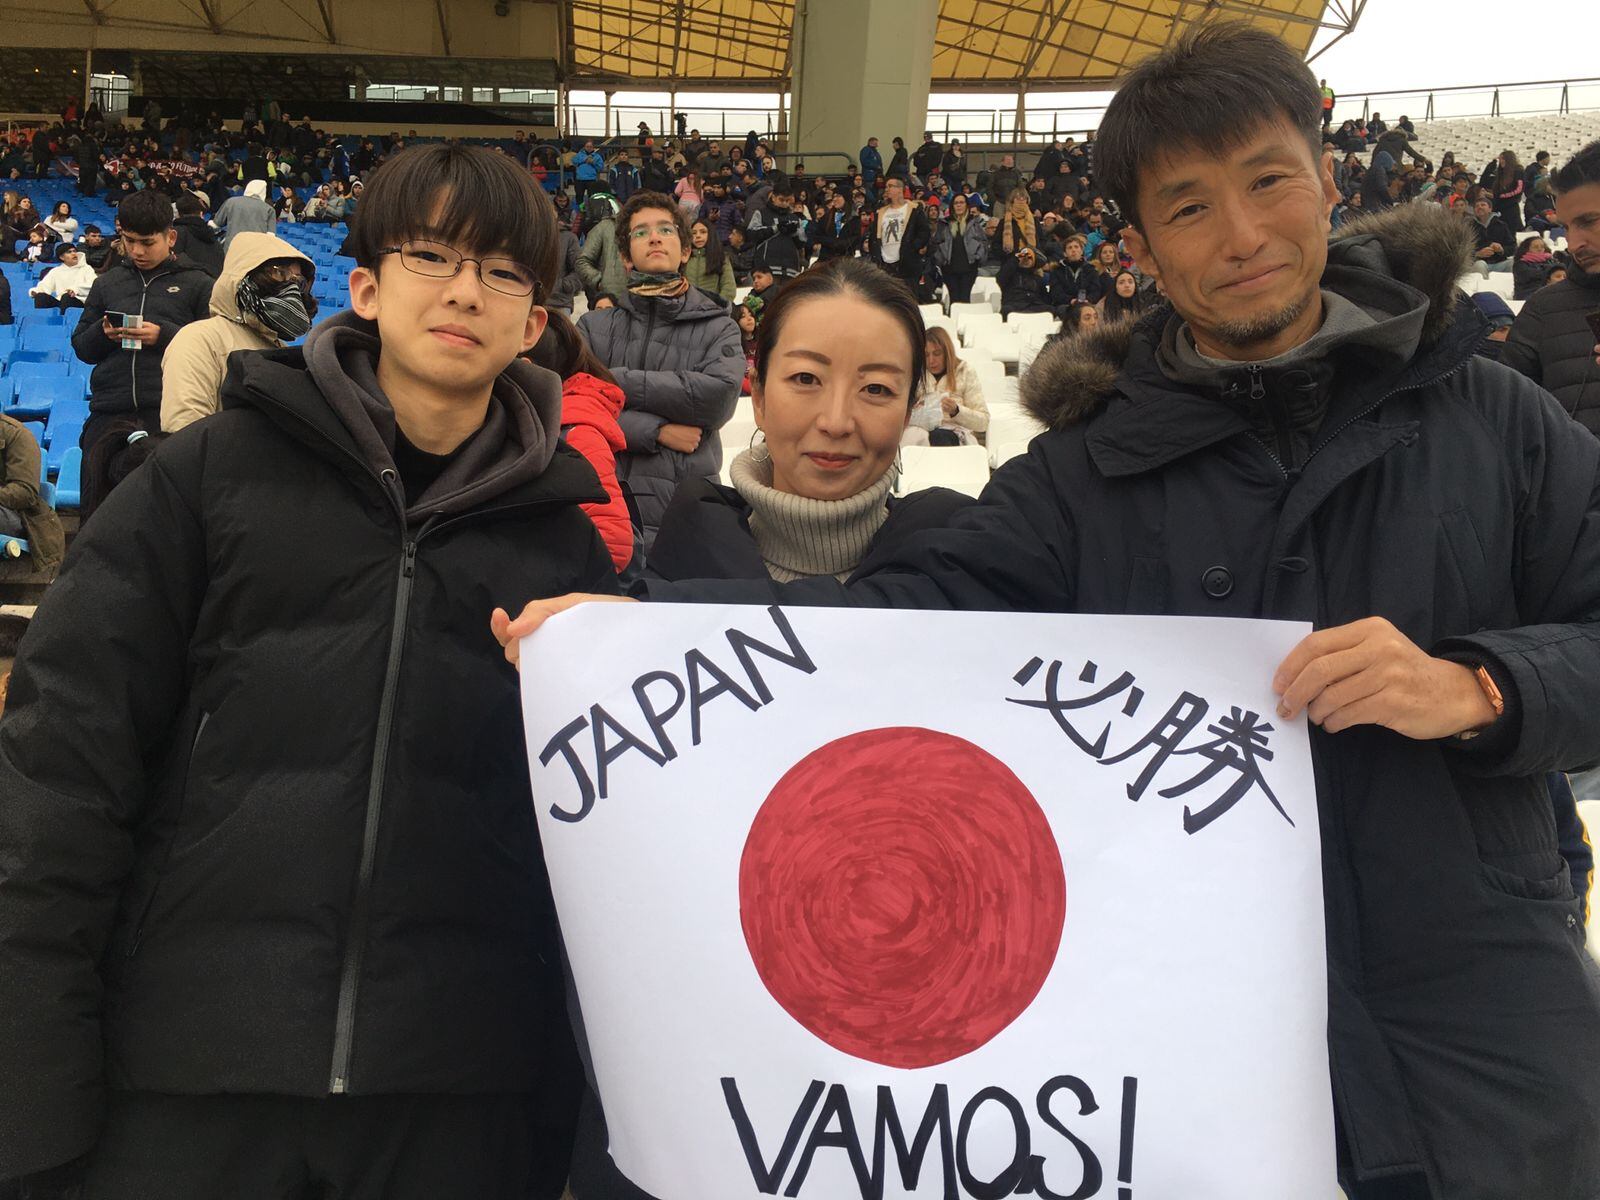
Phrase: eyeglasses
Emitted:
{"points": [[281, 273], [662, 230], [438, 261]]}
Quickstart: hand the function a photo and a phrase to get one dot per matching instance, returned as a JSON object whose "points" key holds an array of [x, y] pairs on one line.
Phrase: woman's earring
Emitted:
{"points": [[759, 453]]}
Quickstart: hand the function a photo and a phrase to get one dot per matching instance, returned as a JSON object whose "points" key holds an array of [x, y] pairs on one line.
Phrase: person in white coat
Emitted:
{"points": [[67, 285], [951, 410]]}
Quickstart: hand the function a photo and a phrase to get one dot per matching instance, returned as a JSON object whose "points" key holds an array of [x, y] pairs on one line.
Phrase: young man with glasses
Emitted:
{"points": [[273, 916], [676, 354]]}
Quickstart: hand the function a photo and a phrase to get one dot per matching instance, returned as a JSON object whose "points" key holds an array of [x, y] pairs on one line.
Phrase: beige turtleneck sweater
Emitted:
{"points": [[798, 536]]}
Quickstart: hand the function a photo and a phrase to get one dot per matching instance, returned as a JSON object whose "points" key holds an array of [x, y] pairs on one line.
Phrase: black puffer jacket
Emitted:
{"points": [[264, 801], [200, 244], [1552, 344], [1449, 495], [171, 296]]}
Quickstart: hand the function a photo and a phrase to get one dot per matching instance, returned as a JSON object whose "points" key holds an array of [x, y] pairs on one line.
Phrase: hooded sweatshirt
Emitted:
{"points": [[249, 213], [514, 445], [197, 361]]}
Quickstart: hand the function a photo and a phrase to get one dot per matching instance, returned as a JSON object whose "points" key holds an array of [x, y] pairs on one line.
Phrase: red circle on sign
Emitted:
{"points": [[902, 895]]}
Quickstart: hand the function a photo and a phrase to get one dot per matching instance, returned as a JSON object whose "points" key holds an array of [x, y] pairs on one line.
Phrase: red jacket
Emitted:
{"points": [[589, 409]]}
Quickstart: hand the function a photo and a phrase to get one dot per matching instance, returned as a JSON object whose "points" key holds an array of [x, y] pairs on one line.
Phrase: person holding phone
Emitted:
{"points": [[129, 319]]}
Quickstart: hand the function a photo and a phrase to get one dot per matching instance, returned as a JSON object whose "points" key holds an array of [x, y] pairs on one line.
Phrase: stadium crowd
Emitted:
{"points": [[520, 394]]}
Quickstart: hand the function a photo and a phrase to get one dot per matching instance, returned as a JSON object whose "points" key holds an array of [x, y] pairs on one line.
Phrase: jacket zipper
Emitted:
{"points": [[361, 909], [1371, 408], [144, 296]]}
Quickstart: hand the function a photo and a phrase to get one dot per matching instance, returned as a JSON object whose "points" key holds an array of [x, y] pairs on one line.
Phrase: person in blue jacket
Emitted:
{"points": [[589, 164], [871, 164]]}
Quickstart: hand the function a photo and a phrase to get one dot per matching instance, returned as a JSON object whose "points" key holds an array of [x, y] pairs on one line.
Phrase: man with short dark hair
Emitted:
{"points": [[1306, 433], [1494, 241], [274, 922], [198, 242], [67, 285], [675, 353], [926, 159], [129, 319], [1552, 342], [871, 164], [778, 233]]}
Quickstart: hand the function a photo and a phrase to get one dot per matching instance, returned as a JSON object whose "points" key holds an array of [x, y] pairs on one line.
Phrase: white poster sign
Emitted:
{"points": [[880, 904]]}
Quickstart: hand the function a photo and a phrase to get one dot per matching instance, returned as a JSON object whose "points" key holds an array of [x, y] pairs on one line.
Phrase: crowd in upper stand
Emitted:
{"points": [[930, 216]]}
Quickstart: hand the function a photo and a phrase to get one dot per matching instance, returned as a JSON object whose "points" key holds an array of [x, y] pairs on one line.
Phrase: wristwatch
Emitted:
{"points": [[1491, 692]]}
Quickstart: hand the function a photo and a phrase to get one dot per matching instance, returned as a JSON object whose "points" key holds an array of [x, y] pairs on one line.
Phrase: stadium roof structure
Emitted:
{"points": [[979, 44]]}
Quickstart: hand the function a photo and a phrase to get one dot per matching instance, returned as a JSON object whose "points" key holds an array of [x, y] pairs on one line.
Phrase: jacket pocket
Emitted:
{"points": [[177, 827], [1556, 887], [1513, 823]]}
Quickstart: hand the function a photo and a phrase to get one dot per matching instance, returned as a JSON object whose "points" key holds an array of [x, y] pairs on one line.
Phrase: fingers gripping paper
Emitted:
{"points": [[880, 904]]}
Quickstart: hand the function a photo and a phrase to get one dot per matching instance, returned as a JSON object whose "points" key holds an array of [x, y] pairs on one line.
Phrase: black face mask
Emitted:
{"points": [[284, 308]]}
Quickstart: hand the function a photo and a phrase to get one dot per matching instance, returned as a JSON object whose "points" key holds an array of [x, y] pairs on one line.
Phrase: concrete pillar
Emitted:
{"points": [[860, 69]]}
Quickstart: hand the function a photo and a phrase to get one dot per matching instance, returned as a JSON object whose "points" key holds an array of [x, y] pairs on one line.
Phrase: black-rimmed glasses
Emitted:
{"points": [[439, 261]]}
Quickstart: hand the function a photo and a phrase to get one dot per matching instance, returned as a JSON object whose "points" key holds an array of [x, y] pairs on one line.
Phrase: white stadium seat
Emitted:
{"points": [[974, 326], [964, 469]]}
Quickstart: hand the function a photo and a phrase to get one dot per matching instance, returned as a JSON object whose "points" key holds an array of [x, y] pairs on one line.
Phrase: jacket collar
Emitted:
{"points": [[277, 384], [1141, 420]]}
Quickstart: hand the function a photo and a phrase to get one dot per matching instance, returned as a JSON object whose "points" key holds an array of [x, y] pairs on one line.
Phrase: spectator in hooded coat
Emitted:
{"points": [[249, 213]]}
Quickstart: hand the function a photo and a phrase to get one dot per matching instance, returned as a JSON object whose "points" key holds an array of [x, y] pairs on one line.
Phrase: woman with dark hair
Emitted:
{"points": [[1508, 188], [745, 318], [959, 246], [953, 166], [900, 165], [62, 222], [1124, 299], [1078, 318], [590, 404], [813, 495], [1531, 267], [289, 206], [837, 229], [708, 267]]}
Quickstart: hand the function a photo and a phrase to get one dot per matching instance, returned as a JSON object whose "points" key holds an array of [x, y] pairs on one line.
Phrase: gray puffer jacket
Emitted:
{"points": [[678, 361], [1552, 344]]}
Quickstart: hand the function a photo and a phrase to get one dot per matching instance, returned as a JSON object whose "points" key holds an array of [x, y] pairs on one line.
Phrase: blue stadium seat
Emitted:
{"points": [[37, 429], [46, 337], [69, 484], [34, 358], [37, 396], [64, 438]]}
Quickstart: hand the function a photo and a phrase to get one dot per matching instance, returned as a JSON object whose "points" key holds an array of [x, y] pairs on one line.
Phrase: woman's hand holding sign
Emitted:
{"points": [[509, 633]]}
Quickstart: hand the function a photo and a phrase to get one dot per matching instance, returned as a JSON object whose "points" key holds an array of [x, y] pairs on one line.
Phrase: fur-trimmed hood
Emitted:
{"points": [[1417, 248]]}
